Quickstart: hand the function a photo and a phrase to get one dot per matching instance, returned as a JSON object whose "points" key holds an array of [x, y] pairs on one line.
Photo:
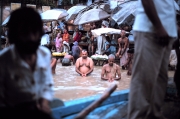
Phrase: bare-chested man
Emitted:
{"points": [[110, 70], [123, 42], [84, 64]]}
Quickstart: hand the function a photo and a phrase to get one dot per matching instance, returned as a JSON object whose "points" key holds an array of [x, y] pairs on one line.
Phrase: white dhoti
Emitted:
{"points": [[100, 44]]}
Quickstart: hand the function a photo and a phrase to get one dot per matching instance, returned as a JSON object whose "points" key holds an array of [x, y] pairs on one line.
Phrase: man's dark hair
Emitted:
{"points": [[24, 21]]}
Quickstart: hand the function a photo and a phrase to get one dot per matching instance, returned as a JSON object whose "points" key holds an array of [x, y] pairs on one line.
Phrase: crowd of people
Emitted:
{"points": [[104, 44]]}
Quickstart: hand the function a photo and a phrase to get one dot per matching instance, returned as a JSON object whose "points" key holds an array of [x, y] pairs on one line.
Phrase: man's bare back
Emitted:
{"points": [[84, 64], [70, 57]]}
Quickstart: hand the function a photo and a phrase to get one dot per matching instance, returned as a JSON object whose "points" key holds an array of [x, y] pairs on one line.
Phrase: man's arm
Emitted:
{"points": [[119, 49], [151, 12], [125, 46], [77, 67], [91, 66], [47, 89], [118, 73], [103, 73]]}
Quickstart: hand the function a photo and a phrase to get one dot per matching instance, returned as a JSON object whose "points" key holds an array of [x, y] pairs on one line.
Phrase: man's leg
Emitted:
{"points": [[53, 65], [160, 85], [147, 61]]}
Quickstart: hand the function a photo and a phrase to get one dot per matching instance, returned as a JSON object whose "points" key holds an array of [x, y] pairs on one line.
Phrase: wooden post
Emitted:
{"points": [[96, 103]]}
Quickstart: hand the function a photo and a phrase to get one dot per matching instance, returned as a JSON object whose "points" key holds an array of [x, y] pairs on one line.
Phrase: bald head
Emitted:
{"points": [[111, 56], [84, 54], [111, 59], [123, 33]]}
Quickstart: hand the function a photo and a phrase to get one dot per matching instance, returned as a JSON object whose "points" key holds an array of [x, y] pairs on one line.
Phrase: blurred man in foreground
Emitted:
{"points": [[26, 84], [153, 42], [84, 64], [110, 70]]}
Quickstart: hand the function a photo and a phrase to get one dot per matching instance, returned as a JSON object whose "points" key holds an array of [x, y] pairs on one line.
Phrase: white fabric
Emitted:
{"points": [[173, 58], [100, 31], [168, 20], [45, 39], [66, 47], [18, 83], [100, 44]]}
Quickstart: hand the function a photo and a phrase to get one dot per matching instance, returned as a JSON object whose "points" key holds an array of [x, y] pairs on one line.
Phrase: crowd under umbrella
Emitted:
{"points": [[53, 15], [73, 11], [91, 15]]}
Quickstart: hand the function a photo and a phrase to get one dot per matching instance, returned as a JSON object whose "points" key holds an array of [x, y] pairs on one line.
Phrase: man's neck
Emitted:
{"points": [[30, 59]]}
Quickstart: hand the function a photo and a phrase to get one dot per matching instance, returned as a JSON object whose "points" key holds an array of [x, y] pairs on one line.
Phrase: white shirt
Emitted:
{"points": [[18, 83], [166, 12], [45, 39], [173, 58]]}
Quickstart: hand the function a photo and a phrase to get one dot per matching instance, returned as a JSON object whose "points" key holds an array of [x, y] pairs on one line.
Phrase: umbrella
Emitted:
{"points": [[176, 6], [73, 11], [92, 15], [5, 21], [125, 12], [54, 14], [100, 31]]}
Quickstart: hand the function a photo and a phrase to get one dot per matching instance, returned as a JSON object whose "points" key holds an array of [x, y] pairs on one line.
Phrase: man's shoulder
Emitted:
{"points": [[7, 51], [89, 58], [106, 65], [44, 51], [79, 58], [117, 66]]}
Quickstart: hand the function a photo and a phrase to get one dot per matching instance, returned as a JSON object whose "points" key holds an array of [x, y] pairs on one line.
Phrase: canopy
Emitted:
{"points": [[54, 14], [100, 31], [92, 15]]}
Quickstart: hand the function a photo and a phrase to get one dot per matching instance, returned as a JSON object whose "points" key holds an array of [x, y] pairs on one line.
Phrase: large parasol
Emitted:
{"points": [[73, 11], [125, 12], [92, 15], [54, 14]]}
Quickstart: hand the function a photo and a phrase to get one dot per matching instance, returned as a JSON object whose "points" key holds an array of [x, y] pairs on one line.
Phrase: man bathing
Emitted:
{"points": [[84, 64], [110, 70]]}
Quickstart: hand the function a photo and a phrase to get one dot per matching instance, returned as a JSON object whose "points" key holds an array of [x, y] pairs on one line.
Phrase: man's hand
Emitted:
{"points": [[111, 79], [83, 75], [162, 37], [117, 54], [43, 105]]}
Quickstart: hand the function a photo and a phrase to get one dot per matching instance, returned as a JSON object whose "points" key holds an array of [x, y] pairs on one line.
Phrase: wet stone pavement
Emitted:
{"points": [[69, 85]]}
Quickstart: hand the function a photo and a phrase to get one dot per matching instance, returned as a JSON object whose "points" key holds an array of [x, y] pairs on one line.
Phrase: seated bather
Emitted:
{"points": [[84, 64], [110, 70]]}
